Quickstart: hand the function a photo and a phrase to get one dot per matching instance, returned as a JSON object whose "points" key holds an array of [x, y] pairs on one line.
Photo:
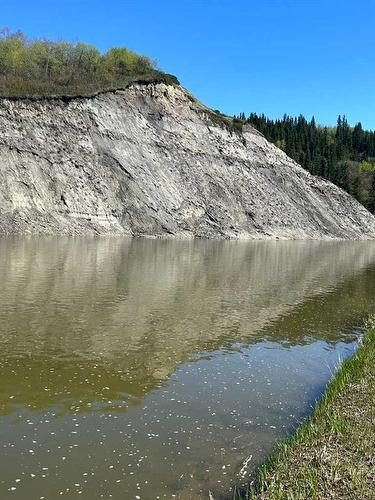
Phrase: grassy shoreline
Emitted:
{"points": [[332, 455]]}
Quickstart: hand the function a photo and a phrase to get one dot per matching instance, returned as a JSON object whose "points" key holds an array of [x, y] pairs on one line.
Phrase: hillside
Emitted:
{"points": [[343, 154], [150, 160]]}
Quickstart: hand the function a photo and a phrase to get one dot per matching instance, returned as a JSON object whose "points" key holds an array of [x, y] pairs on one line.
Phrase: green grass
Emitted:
{"points": [[332, 455], [21, 89]]}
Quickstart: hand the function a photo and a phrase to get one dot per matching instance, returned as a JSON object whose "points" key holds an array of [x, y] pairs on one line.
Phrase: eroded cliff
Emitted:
{"points": [[150, 160]]}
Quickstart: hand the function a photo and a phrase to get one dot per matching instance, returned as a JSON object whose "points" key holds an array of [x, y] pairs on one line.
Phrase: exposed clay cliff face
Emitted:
{"points": [[151, 160]]}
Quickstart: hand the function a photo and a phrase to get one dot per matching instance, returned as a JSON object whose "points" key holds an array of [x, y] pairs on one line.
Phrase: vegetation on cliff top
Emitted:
{"points": [[343, 154], [333, 454], [44, 67]]}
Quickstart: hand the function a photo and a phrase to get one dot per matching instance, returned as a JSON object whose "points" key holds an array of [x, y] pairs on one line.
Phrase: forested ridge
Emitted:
{"points": [[343, 154], [45, 67]]}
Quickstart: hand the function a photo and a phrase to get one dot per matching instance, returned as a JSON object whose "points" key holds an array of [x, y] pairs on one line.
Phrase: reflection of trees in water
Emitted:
{"points": [[125, 313]]}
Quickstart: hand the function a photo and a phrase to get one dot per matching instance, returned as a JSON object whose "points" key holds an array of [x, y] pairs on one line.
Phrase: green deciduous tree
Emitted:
{"points": [[46, 67]]}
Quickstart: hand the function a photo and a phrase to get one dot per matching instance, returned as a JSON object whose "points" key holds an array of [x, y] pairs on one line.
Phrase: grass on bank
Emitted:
{"points": [[332, 455]]}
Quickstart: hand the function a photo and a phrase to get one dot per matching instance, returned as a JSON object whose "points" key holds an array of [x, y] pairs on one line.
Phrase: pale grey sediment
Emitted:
{"points": [[150, 160]]}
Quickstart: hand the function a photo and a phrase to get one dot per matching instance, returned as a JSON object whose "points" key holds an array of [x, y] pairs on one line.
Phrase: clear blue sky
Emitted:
{"points": [[272, 56]]}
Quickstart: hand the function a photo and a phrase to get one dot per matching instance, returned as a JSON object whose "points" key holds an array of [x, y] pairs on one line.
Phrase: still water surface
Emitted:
{"points": [[165, 369]]}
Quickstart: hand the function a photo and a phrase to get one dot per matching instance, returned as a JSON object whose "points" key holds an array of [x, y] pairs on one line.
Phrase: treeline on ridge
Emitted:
{"points": [[44, 67], [343, 154]]}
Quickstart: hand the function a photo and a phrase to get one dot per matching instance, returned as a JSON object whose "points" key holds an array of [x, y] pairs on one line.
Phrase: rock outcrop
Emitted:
{"points": [[150, 160]]}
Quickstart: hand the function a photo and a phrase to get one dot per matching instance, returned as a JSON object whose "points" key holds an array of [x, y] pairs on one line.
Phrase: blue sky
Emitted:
{"points": [[272, 56]]}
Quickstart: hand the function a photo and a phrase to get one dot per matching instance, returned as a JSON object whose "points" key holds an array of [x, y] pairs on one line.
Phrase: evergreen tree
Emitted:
{"points": [[344, 155]]}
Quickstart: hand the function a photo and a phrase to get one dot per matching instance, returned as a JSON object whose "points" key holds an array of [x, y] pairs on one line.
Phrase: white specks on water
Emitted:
{"points": [[103, 399], [244, 468]]}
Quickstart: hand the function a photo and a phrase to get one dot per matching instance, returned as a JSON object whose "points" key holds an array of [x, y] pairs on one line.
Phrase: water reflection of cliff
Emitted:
{"points": [[80, 316]]}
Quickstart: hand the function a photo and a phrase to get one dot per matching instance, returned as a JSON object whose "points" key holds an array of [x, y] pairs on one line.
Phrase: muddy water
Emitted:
{"points": [[165, 369]]}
